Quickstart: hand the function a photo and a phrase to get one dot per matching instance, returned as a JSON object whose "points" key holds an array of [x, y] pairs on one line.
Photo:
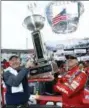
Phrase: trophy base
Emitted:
{"points": [[44, 71]]}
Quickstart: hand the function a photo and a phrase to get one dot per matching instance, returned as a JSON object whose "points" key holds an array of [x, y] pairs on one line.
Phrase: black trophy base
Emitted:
{"points": [[40, 69]]}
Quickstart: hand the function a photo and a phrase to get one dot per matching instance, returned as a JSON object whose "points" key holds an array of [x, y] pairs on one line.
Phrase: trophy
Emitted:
{"points": [[35, 23]]}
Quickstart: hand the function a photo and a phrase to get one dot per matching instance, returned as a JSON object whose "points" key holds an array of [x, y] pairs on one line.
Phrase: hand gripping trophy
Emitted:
{"points": [[35, 23]]}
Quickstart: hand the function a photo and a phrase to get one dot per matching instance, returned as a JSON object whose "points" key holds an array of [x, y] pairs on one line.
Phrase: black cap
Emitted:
{"points": [[71, 56]]}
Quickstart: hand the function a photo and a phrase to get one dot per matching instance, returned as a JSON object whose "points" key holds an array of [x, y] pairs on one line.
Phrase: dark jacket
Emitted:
{"points": [[12, 80]]}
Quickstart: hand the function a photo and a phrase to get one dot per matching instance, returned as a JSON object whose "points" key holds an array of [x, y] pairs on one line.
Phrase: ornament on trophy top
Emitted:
{"points": [[62, 18], [32, 7], [33, 22]]}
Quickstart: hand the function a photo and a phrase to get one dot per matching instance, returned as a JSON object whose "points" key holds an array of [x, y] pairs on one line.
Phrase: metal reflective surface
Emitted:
{"points": [[34, 22]]}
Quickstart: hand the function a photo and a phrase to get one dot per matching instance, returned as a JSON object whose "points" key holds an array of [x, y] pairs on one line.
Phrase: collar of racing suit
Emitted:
{"points": [[74, 68]]}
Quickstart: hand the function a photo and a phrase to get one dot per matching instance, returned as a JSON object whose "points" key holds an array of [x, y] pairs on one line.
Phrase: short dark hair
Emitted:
{"points": [[14, 56]]}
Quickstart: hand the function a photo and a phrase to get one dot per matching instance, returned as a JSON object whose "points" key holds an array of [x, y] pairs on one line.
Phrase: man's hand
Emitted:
{"points": [[29, 64]]}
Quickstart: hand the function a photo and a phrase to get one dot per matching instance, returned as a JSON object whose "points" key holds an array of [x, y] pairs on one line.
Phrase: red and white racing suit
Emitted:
{"points": [[71, 86]]}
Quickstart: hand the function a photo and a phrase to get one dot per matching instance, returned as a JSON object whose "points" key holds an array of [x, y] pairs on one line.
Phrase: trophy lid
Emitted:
{"points": [[34, 22]]}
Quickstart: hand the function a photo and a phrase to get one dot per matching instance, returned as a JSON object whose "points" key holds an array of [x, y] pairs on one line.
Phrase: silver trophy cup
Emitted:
{"points": [[35, 23]]}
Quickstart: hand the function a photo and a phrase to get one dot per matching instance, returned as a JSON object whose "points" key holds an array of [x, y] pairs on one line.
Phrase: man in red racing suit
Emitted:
{"points": [[71, 85]]}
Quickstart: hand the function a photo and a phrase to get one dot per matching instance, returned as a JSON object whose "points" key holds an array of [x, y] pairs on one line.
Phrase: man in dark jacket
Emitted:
{"points": [[15, 79]]}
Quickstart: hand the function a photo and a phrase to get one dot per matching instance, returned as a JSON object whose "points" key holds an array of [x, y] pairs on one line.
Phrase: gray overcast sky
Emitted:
{"points": [[14, 34]]}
